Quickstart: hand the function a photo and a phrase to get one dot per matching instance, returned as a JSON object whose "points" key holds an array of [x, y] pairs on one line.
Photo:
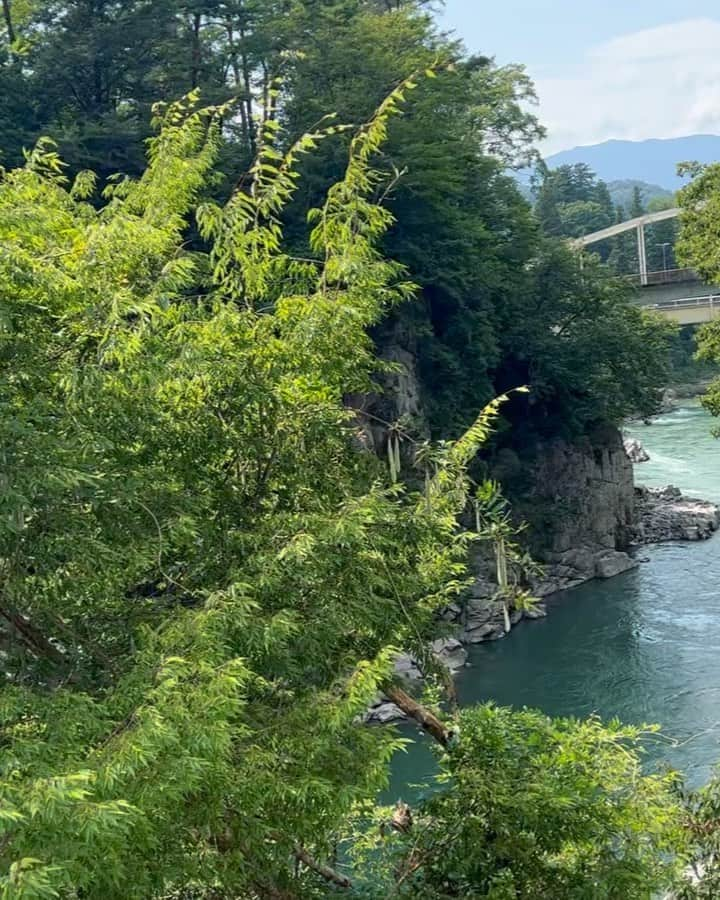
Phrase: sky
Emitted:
{"points": [[631, 70]]}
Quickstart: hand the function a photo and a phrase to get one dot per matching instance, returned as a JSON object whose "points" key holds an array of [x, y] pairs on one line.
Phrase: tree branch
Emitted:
{"points": [[427, 720], [325, 872], [31, 636]]}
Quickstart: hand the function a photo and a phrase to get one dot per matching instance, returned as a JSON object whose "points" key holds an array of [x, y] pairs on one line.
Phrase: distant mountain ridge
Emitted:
{"points": [[652, 161]]}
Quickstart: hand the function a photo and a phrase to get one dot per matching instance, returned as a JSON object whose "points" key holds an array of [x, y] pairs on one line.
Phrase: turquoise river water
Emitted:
{"points": [[644, 646]]}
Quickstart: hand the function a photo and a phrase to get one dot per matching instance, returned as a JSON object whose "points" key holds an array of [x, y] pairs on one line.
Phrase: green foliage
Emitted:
{"points": [[661, 237], [697, 247], [622, 192], [571, 201], [90, 73], [205, 580], [533, 807], [685, 366], [700, 221], [590, 356], [701, 854], [482, 232]]}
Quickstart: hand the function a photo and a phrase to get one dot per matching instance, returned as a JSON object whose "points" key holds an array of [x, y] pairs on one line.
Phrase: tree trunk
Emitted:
{"points": [[7, 15], [34, 639], [239, 81], [247, 98], [196, 56]]}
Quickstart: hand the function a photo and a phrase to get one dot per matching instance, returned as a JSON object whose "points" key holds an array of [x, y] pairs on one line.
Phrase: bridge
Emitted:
{"points": [[678, 294]]}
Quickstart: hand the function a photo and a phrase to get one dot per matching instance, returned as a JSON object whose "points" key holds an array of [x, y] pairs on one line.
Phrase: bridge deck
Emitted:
{"points": [[664, 293], [690, 310]]}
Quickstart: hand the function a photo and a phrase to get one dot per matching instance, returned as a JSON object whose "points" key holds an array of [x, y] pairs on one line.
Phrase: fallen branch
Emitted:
{"points": [[427, 720], [325, 872]]}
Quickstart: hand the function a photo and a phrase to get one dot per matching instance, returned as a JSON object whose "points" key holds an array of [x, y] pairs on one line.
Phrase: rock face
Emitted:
{"points": [[401, 395], [635, 450], [664, 514], [586, 498], [593, 515], [669, 400], [450, 652], [484, 619], [481, 617]]}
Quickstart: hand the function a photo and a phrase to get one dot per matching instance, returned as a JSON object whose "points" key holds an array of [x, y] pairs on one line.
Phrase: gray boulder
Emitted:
{"points": [[450, 652], [384, 712], [484, 620], [538, 611], [405, 667], [610, 563], [635, 450]]}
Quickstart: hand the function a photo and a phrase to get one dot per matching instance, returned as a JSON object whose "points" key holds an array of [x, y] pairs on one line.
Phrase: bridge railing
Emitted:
{"points": [[711, 300], [664, 276]]}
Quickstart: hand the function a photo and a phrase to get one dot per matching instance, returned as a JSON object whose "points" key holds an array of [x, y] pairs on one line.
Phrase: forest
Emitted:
{"points": [[216, 221]]}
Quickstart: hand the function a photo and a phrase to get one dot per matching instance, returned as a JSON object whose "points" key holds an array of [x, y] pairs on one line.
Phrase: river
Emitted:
{"points": [[643, 647]]}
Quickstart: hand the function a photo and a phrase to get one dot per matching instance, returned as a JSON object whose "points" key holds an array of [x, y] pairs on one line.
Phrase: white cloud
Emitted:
{"points": [[659, 82]]}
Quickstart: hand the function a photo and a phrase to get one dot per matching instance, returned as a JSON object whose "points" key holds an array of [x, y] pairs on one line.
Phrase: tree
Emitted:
{"points": [[145, 567], [623, 256], [538, 808], [591, 357], [8, 21], [697, 247], [661, 237], [450, 146], [637, 207], [90, 73], [571, 201], [205, 577], [456, 190]]}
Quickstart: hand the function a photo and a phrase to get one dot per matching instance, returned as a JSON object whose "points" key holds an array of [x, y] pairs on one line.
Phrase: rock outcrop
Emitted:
{"points": [[664, 514], [669, 401], [448, 651], [400, 398], [483, 619], [580, 506], [635, 451]]}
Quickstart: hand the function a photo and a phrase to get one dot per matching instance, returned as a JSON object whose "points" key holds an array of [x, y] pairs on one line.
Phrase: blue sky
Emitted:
{"points": [[633, 69]]}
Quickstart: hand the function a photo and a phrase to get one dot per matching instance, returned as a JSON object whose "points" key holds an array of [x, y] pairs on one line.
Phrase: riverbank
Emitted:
{"points": [[643, 647], [664, 515]]}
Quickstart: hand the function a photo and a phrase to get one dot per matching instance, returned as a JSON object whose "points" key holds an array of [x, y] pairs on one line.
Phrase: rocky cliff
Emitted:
{"points": [[580, 506], [578, 499]]}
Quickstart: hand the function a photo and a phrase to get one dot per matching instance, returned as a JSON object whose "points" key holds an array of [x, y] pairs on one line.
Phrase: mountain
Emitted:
{"points": [[652, 161]]}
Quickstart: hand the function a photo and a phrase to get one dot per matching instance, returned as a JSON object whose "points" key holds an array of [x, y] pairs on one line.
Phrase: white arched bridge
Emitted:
{"points": [[679, 294]]}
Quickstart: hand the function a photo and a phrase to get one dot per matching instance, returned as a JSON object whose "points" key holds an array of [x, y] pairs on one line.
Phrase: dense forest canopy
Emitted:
{"points": [[86, 74], [570, 201], [206, 574]]}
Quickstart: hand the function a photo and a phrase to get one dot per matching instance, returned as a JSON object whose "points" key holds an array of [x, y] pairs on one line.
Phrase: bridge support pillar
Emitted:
{"points": [[642, 255]]}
